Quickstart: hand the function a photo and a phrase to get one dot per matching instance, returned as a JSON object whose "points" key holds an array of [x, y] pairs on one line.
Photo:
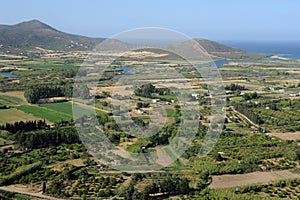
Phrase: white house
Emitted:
{"points": [[294, 95], [282, 90], [195, 96], [221, 153], [263, 168], [140, 111]]}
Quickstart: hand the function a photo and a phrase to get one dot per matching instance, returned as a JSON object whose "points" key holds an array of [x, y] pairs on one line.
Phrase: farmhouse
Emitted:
{"points": [[229, 92], [195, 95], [282, 90], [140, 111], [221, 153], [294, 95]]}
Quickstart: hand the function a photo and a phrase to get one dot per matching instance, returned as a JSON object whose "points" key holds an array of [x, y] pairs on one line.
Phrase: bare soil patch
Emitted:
{"points": [[227, 181], [287, 136]]}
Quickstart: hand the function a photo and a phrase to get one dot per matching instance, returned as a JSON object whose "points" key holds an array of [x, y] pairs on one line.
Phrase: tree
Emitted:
{"points": [[129, 191], [217, 157], [235, 87], [249, 96], [145, 90], [44, 187], [45, 138], [139, 105], [37, 92], [291, 155], [136, 196]]}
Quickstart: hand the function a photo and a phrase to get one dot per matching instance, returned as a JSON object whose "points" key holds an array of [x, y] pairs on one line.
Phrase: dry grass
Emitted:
{"points": [[14, 115], [60, 166]]}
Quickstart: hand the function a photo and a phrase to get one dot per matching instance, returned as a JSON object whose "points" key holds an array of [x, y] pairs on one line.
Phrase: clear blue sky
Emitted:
{"points": [[219, 20]]}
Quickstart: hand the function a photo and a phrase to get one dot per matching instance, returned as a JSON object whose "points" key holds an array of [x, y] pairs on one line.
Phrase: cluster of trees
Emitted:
{"points": [[19, 172], [232, 167], [46, 138], [280, 114], [235, 87], [107, 121], [162, 138], [38, 176], [25, 126], [246, 153], [103, 95], [37, 92], [10, 195], [4, 107], [101, 186], [142, 105], [68, 73], [139, 121], [249, 96], [148, 90], [105, 184], [244, 109], [266, 187], [281, 189], [163, 186], [55, 188]]}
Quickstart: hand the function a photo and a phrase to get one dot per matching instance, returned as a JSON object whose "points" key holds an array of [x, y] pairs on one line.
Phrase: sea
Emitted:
{"points": [[290, 50]]}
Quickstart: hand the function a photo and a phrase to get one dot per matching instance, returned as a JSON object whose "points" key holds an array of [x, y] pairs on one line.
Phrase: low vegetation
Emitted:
{"points": [[40, 147]]}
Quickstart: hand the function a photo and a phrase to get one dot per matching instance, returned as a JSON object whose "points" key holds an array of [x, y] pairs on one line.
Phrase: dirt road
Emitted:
{"points": [[243, 116], [39, 195]]}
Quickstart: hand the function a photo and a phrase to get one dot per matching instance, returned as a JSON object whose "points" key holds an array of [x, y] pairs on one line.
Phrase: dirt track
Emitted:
{"points": [[39, 195]]}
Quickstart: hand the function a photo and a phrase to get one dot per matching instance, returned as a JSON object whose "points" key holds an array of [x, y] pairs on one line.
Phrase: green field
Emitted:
{"points": [[41, 65], [171, 112], [9, 100], [6, 103], [13, 115], [65, 108], [44, 113], [54, 112]]}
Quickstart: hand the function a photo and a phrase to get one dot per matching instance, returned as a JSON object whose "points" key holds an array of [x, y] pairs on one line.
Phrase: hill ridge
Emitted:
{"points": [[33, 33]]}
